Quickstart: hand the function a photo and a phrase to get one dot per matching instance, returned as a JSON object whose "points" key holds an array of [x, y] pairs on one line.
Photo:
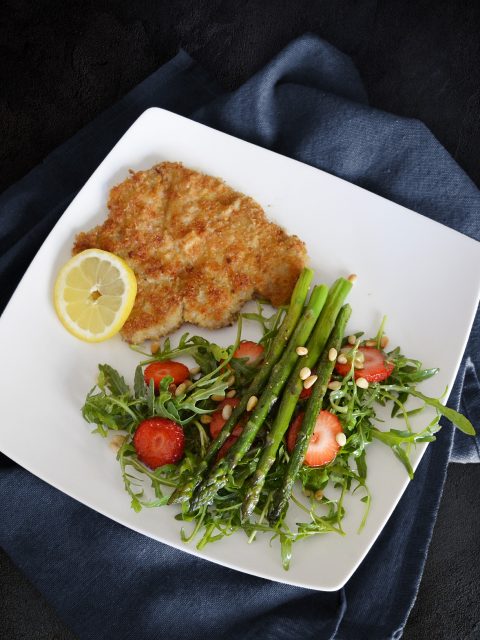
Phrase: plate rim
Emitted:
{"points": [[156, 112]]}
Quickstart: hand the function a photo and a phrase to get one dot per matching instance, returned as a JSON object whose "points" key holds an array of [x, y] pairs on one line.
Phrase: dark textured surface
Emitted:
{"points": [[59, 66], [447, 605]]}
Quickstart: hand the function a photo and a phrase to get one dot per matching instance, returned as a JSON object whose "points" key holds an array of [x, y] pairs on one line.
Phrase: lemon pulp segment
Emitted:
{"points": [[94, 294]]}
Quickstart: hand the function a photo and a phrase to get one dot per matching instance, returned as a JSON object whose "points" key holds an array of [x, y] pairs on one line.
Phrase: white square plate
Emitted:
{"points": [[404, 265]]}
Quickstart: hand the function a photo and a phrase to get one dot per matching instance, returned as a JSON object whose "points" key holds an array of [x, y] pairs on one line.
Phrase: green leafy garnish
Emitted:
{"points": [[113, 406]]}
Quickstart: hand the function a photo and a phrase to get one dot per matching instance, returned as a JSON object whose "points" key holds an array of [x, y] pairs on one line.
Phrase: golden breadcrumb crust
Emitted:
{"points": [[198, 248]]}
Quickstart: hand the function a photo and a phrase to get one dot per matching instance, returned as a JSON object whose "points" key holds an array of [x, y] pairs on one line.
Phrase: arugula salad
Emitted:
{"points": [[257, 426]]}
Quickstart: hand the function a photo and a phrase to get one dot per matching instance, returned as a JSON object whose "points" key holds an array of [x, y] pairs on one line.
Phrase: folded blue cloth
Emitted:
{"points": [[109, 582]]}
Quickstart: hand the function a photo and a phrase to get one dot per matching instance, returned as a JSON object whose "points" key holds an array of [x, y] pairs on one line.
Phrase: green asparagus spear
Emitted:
{"points": [[297, 301], [314, 405], [219, 474], [315, 345]]}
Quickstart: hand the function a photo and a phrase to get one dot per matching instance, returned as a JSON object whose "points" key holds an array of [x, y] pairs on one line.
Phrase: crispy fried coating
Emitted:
{"points": [[199, 250]]}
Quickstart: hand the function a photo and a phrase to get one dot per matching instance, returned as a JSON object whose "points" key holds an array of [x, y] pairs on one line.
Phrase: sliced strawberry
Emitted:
{"points": [[229, 442], [159, 441], [156, 371], [251, 350], [375, 367], [306, 393], [216, 425], [323, 446]]}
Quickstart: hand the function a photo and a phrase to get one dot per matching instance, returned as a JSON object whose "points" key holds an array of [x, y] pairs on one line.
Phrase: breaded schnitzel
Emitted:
{"points": [[199, 250]]}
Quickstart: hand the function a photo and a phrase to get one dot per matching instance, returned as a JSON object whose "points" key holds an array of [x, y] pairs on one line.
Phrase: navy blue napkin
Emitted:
{"points": [[106, 581]]}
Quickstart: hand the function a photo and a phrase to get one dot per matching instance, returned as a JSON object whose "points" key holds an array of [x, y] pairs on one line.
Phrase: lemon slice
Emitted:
{"points": [[94, 294]]}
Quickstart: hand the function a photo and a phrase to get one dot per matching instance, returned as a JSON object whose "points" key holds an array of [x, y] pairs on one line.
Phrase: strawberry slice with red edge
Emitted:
{"points": [[159, 441], [228, 444], [156, 371], [376, 367], [216, 425], [306, 393], [323, 445], [251, 350]]}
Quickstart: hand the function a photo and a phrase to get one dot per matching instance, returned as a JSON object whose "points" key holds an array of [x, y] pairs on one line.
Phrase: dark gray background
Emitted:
{"points": [[61, 63]]}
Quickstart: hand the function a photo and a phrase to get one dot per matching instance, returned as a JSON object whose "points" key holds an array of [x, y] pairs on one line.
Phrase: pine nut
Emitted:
{"points": [[358, 364], [341, 439], [371, 343], [231, 381], [205, 419], [309, 382], [301, 351], [332, 354], [362, 383], [180, 389], [384, 341], [195, 371], [218, 398], [231, 393], [154, 347], [360, 356], [227, 411], [352, 339], [252, 403], [304, 373], [116, 442], [318, 494], [352, 278], [334, 385], [342, 359]]}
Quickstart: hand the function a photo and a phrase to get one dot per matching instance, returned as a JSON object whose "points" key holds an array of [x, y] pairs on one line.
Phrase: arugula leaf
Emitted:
{"points": [[112, 380], [459, 420], [268, 324], [396, 438], [139, 386]]}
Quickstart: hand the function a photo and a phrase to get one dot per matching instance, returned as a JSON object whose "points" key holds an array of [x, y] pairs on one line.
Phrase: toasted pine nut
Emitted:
{"points": [[301, 351], [304, 373], [309, 382], [358, 364], [231, 393], [231, 381], [352, 339], [154, 347], [334, 385], [205, 419], [362, 383], [360, 356], [352, 278], [332, 354], [341, 439], [116, 442], [252, 403], [318, 494], [227, 411], [342, 359], [371, 343], [180, 389], [384, 341], [195, 371], [218, 398]]}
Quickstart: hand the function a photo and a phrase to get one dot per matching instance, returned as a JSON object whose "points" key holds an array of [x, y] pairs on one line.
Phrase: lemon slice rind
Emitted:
{"points": [[94, 294]]}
